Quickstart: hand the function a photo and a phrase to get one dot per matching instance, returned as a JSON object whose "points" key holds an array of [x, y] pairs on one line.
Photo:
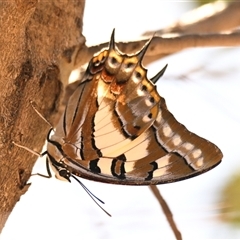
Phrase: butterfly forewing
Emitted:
{"points": [[116, 128]]}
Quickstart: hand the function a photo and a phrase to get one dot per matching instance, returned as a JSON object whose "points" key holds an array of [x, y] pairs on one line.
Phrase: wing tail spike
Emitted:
{"points": [[159, 74], [112, 41], [144, 49]]}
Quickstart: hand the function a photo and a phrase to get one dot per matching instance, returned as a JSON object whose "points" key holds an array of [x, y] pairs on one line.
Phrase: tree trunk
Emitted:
{"points": [[33, 36]]}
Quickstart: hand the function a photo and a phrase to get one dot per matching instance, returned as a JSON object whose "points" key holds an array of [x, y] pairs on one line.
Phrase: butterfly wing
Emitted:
{"points": [[116, 128], [166, 152]]}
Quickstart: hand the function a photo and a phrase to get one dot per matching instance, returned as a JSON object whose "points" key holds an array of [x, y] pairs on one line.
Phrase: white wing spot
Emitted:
{"points": [[167, 131], [159, 117], [129, 166], [148, 103], [162, 163], [140, 92], [177, 140], [160, 172], [197, 153], [146, 119], [135, 79], [100, 91], [188, 146], [199, 162]]}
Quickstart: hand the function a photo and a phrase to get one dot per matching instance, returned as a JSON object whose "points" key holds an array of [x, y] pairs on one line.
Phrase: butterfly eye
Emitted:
{"points": [[64, 173]]}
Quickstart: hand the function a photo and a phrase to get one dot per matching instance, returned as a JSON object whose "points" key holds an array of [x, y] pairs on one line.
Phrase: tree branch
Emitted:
{"points": [[167, 211], [210, 18], [161, 47], [200, 31]]}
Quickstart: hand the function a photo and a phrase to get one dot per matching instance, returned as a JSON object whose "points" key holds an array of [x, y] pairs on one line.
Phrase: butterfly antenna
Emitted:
{"points": [[91, 195], [40, 115]]}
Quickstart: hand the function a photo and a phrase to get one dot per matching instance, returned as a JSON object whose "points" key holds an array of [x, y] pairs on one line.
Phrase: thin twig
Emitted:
{"points": [[166, 211], [208, 18]]}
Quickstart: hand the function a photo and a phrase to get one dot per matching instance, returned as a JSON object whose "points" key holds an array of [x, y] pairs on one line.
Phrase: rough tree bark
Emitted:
{"points": [[33, 36]]}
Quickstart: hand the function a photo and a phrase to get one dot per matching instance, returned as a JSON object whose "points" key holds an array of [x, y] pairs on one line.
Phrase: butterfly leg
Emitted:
{"points": [[48, 170], [39, 155]]}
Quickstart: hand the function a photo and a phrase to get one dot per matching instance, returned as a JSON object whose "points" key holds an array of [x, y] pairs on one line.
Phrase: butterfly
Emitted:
{"points": [[116, 128]]}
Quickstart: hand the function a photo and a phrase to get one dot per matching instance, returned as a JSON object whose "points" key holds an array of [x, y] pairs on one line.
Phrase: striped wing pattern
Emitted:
{"points": [[116, 128]]}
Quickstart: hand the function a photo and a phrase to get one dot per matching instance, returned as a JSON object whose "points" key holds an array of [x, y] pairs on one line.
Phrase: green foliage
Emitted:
{"points": [[201, 2], [231, 198]]}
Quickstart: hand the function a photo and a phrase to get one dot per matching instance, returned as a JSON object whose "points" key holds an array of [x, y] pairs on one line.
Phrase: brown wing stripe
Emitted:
{"points": [[124, 132]]}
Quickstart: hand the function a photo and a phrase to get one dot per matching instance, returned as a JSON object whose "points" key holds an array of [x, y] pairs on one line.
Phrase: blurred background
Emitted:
{"points": [[201, 88]]}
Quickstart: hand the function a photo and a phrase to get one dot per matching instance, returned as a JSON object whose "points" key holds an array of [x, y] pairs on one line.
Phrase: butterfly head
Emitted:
{"points": [[60, 169], [64, 174]]}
